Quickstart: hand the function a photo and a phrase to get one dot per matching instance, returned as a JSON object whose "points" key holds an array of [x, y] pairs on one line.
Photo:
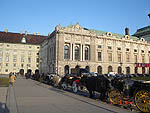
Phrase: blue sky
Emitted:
{"points": [[43, 15]]}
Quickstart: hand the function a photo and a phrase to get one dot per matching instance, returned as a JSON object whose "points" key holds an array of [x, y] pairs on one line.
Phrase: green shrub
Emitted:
{"points": [[4, 81]]}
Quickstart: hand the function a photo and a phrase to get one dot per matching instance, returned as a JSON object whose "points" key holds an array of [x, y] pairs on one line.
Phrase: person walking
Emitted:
{"points": [[12, 79]]}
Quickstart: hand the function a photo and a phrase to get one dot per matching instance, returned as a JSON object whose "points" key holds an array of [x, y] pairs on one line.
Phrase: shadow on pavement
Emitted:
{"points": [[3, 108]]}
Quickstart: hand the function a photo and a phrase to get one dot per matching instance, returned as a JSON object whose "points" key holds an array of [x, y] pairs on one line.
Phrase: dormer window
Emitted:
{"points": [[23, 39], [109, 47], [135, 50], [118, 48], [127, 49]]}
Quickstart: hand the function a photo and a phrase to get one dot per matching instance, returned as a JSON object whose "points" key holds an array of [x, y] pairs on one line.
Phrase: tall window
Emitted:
{"points": [[110, 69], [99, 56], [119, 70], [66, 52], [109, 56], [22, 59], [86, 53], [136, 70], [127, 70], [119, 57], [7, 58], [135, 58], [37, 60], [66, 69], [127, 58], [142, 59], [77, 54], [14, 58], [29, 59], [99, 69]]}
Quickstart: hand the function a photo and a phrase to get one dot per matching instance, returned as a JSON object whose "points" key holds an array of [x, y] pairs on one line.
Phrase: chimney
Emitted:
{"points": [[26, 32], [127, 31], [37, 33], [6, 30]]}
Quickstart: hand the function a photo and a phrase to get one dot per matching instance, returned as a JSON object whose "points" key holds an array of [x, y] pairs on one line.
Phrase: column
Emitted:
{"points": [[80, 52]]}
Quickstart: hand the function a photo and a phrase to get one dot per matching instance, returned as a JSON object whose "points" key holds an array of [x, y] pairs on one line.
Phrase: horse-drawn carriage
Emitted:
{"points": [[128, 91]]}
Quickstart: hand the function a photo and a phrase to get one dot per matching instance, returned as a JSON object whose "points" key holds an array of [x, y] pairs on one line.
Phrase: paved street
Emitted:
{"points": [[29, 96]]}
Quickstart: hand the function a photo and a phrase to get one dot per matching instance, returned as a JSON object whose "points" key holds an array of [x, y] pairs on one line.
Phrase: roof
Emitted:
{"points": [[142, 31], [8, 37], [119, 36]]}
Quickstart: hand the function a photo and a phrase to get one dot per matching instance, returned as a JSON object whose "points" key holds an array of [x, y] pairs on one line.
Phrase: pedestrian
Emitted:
{"points": [[12, 79]]}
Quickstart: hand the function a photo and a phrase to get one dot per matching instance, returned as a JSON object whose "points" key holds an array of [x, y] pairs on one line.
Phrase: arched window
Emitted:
{"points": [[127, 70], [136, 70], [66, 52], [119, 70], [110, 69], [143, 70], [66, 69], [99, 69], [86, 53], [87, 68], [77, 53]]}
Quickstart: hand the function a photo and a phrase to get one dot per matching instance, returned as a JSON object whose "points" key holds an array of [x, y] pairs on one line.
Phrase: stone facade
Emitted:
{"points": [[98, 51]]}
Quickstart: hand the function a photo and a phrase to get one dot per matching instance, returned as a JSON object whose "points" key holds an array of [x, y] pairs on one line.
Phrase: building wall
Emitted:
{"points": [[18, 50], [78, 36]]}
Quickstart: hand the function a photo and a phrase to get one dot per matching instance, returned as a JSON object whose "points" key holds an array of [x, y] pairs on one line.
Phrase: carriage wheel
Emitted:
{"points": [[64, 85], [74, 87], [115, 97], [142, 100]]}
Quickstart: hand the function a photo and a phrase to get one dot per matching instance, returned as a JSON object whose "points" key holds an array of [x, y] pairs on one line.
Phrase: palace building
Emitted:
{"points": [[97, 51], [19, 51]]}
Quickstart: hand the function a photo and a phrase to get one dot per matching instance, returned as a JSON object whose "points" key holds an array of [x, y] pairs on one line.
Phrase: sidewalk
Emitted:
{"points": [[3, 95]]}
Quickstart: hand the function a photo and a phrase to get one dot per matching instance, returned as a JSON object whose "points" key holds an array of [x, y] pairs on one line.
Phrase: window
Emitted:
{"points": [[0, 58], [6, 64], [6, 70], [109, 56], [143, 57], [38, 47], [66, 52], [118, 48], [86, 53], [8, 45], [99, 69], [99, 56], [37, 65], [135, 50], [77, 53], [15, 51], [99, 46], [37, 54], [37, 60], [135, 58], [127, 58], [22, 65], [14, 65], [14, 58], [29, 52], [109, 47], [119, 70], [119, 57], [22, 51], [142, 51], [29, 59], [7, 51], [127, 49], [22, 59], [66, 69], [7, 58]]}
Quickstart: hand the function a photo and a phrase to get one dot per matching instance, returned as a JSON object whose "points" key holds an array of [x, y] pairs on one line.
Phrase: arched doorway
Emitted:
{"points": [[87, 68], [127, 70], [66, 69], [119, 70], [136, 70], [143, 70], [99, 69], [110, 69], [21, 72]]}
